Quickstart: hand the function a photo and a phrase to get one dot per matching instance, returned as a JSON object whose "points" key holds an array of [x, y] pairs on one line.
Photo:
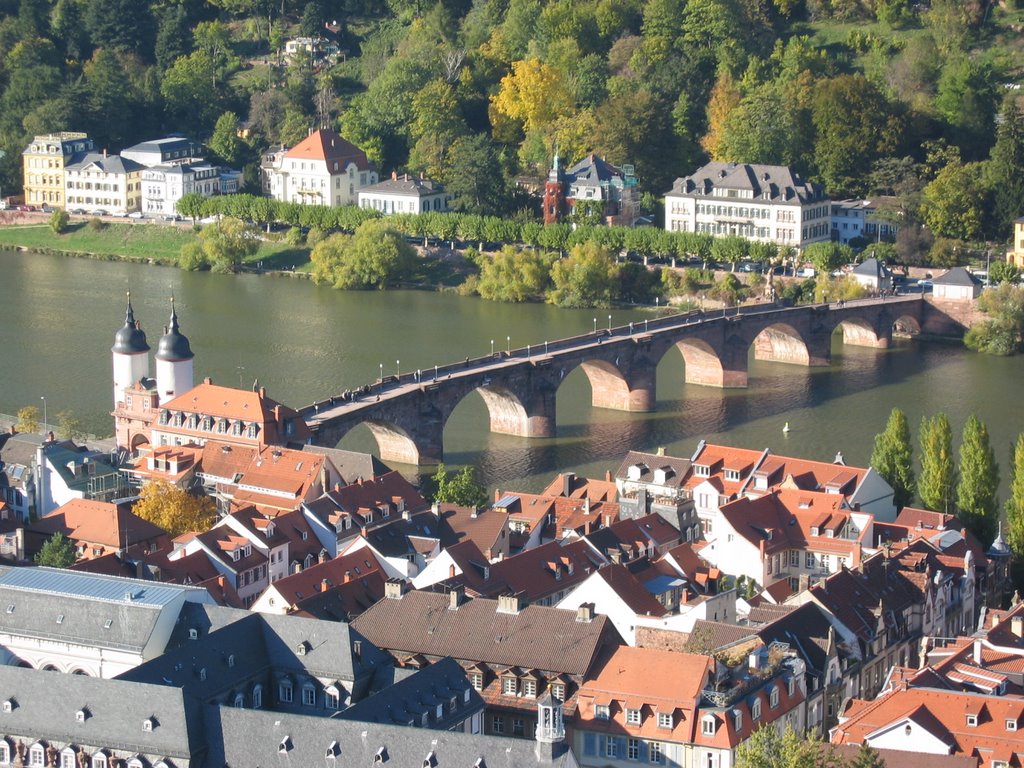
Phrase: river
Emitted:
{"points": [[304, 342]]}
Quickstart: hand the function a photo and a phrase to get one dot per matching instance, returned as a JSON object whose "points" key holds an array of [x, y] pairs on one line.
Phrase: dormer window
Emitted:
{"points": [[602, 711], [381, 756], [558, 691], [333, 750], [1011, 725], [773, 698], [509, 685], [702, 470], [755, 710], [707, 725], [147, 725], [633, 716], [732, 474], [737, 720], [972, 721], [285, 746], [80, 716], [529, 687], [664, 719]]}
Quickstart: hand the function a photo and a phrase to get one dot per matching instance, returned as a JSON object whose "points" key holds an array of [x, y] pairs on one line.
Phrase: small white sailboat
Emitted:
{"points": [[785, 428]]}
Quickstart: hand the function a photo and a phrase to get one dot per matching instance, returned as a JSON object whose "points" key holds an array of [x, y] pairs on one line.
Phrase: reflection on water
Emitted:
{"points": [[58, 317]]}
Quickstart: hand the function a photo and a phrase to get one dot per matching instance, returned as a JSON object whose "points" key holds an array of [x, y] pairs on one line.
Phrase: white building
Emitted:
{"points": [[956, 285], [86, 623], [857, 218], [768, 203], [169, 150], [322, 169], [102, 182], [405, 194], [164, 185]]}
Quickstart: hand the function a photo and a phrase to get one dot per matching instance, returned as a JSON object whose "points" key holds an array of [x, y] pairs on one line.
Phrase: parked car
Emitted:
{"points": [[120, 214], [172, 217], [135, 215], [77, 211], [47, 209], [98, 212]]}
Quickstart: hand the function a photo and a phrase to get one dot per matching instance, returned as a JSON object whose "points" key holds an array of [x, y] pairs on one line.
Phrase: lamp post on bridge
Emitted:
{"points": [[508, 346], [492, 347], [398, 369], [43, 398], [381, 379], [609, 324], [595, 325]]}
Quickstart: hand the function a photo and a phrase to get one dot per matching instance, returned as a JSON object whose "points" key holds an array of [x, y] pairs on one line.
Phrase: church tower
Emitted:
{"points": [[130, 353], [550, 735], [554, 194], [173, 361]]}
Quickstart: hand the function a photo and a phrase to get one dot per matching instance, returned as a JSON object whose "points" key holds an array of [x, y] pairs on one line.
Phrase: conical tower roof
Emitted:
{"points": [[173, 344], [130, 340]]}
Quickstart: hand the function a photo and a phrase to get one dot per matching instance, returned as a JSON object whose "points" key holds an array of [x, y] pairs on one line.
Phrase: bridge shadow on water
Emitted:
{"points": [[594, 440]]}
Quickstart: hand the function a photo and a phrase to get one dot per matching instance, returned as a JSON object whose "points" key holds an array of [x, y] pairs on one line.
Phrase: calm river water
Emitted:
{"points": [[303, 342]]}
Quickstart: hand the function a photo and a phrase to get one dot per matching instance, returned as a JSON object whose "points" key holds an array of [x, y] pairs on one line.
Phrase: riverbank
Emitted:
{"points": [[143, 242]]}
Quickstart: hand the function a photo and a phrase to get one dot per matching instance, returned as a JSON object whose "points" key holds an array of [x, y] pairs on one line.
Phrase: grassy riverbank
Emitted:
{"points": [[134, 242]]}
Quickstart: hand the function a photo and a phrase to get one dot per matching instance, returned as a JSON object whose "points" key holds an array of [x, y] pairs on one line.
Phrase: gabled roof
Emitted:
{"points": [[404, 186], [570, 485], [534, 638], [957, 276], [676, 469], [630, 590], [323, 576], [593, 171], [665, 681], [485, 527], [326, 145], [105, 164], [872, 268], [351, 465]]}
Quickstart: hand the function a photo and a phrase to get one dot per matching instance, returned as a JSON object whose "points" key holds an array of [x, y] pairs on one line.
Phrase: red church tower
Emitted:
{"points": [[554, 194]]}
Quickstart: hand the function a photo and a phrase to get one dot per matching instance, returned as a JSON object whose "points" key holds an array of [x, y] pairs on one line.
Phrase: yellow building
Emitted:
{"points": [[104, 184], [1016, 256], [44, 161]]}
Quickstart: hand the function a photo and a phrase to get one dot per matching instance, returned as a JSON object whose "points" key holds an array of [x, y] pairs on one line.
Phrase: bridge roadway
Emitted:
{"points": [[407, 413]]}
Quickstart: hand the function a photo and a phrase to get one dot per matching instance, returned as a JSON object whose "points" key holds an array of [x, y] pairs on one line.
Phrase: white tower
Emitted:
{"points": [[130, 353], [550, 734], [173, 361]]}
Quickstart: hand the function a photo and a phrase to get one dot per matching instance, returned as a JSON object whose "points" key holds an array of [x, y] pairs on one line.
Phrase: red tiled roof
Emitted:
{"points": [[236, 405], [97, 522], [310, 581], [325, 144]]}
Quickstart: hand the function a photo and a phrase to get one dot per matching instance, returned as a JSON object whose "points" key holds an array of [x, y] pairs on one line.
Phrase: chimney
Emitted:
{"points": [[509, 603], [804, 582], [585, 613], [451, 571], [348, 577], [394, 175], [206, 379], [104, 153], [406, 514], [393, 589], [497, 494], [325, 585], [263, 393], [607, 475], [1017, 626], [615, 555], [324, 557], [455, 598], [567, 479], [977, 651]]}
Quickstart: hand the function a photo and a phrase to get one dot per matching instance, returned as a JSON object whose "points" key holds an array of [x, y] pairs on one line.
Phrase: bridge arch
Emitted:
{"points": [[611, 387], [781, 343], [393, 441], [702, 365], [506, 411], [906, 325], [858, 332]]}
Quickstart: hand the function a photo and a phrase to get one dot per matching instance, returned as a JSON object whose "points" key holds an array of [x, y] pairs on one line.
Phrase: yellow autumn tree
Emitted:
{"points": [[725, 97], [174, 510], [534, 93]]}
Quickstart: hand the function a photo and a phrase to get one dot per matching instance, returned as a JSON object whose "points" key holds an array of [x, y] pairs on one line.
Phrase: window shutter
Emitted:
{"points": [[588, 743], [601, 745]]}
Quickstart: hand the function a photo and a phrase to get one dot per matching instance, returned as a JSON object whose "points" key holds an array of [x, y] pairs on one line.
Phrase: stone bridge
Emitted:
{"points": [[407, 414]]}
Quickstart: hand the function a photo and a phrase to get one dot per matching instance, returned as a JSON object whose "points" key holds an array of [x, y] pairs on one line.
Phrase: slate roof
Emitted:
{"points": [[534, 638], [419, 693], [105, 163], [351, 465], [405, 186], [241, 738], [33, 598], [808, 630], [649, 462], [872, 268], [782, 184], [116, 710], [261, 643], [957, 276], [593, 171]]}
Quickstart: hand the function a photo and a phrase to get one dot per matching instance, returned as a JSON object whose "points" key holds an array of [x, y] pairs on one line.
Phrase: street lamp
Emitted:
{"points": [[492, 347], [398, 369], [609, 323], [595, 325], [508, 345], [381, 379], [43, 398]]}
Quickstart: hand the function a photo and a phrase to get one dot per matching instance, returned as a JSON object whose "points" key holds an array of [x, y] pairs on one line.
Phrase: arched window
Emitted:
{"points": [[239, 700], [5, 752], [257, 696], [37, 755], [99, 760], [68, 758]]}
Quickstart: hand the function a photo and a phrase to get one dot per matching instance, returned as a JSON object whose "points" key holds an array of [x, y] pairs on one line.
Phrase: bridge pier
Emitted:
{"points": [[508, 416], [421, 448], [610, 389], [779, 346], [861, 336]]}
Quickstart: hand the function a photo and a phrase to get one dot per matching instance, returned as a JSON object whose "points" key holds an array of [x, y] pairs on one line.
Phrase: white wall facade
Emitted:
{"points": [[312, 182], [784, 223]]}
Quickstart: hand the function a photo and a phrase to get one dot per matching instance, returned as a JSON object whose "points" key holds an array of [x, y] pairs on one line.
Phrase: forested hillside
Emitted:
{"points": [[912, 100]]}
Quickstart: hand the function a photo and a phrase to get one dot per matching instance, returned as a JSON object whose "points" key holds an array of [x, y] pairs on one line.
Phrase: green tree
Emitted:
{"points": [[767, 748], [69, 426], [59, 222], [828, 256], [953, 203], [56, 552], [893, 459], [1003, 272], [228, 242], [29, 418], [190, 205], [866, 757], [937, 482], [173, 36], [460, 488], [979, 482], [475, 177], [585, 279], [224, 142], [515, 276], [968, 99], [1002, 330], [377, 256], [855, 125], [1015, 504], [120, 25], [1004, 171], [190, 91]]}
